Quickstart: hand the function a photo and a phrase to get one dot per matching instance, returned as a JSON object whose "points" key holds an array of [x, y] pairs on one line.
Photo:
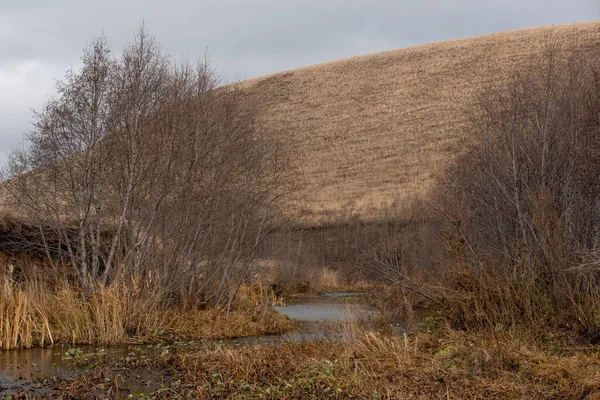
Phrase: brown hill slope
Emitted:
{"points": [[367, 131]]}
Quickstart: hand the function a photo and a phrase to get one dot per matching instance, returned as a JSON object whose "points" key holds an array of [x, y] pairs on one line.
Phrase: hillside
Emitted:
{"points": [[368, 131]]}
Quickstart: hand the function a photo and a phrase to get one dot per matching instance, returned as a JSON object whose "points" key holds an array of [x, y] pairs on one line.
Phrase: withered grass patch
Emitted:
{"points": [[368, 131], [445, 364]]}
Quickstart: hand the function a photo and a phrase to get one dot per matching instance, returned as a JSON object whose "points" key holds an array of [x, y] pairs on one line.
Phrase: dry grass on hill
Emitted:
{"points": [[368, 131]]}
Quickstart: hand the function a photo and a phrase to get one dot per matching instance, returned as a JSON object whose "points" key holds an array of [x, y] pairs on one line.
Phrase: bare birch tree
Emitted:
{"points": [[146, 167], [60, 181]]}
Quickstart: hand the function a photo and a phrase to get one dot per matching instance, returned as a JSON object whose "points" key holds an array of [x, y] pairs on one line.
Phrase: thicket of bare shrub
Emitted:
{"points": [[142, 167], [354, 254], [523, 202]]}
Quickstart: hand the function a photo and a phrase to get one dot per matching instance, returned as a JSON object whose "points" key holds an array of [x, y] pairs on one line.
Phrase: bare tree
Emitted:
{"points": [[60, 180], [524, 197], [147, 167], [526, 185]]}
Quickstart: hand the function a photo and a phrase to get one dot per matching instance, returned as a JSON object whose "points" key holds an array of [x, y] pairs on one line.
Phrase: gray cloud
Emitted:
{"points": [[40, 39]]}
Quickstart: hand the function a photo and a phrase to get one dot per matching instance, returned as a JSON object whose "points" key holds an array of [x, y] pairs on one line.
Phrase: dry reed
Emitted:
{"points": [[34, 314]]}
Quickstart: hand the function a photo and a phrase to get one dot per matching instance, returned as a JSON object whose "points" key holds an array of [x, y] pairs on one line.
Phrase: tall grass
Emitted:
{"points": [[34, 313], [492, 298]]}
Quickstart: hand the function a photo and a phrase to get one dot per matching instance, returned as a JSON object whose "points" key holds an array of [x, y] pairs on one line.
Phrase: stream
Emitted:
{"points": [[34, 370]]}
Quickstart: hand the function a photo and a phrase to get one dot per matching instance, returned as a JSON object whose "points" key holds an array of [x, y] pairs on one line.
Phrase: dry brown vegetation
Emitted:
{"points": [[522, 204], [504, 257], [369, 365], [373, 130], [446, 365], [146, 194], [40, 313]]}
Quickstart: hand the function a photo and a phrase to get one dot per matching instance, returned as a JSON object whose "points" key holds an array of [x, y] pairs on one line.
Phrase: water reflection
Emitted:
{"points": [[320, 309]]}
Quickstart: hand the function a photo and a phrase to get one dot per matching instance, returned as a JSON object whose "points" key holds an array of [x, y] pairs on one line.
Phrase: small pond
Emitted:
{"points": [[327, 308]]}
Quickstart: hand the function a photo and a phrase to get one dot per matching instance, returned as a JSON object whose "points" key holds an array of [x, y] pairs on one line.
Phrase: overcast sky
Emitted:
{"points": [[41, 39]]}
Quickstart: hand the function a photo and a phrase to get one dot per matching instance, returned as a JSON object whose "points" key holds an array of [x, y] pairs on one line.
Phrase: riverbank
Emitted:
{"points": [[52, 371], [356, 356], [367, 364], [445, 364]]}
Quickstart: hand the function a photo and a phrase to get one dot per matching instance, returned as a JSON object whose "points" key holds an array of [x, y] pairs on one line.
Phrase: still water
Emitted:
{"points": [[27, 369]]}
